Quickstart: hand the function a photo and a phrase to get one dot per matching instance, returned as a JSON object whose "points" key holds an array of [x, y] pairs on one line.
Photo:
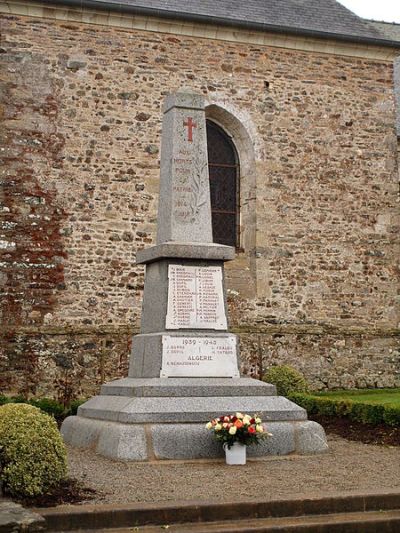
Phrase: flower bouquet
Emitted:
{"points": [[238, 431]]}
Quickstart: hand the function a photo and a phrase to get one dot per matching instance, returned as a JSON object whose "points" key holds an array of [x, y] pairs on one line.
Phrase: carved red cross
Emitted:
{"points": [[190, 125]]}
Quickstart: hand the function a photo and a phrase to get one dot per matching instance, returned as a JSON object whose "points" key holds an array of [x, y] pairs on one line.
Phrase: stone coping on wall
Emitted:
{"points": [[263, 329], [207, 31]]}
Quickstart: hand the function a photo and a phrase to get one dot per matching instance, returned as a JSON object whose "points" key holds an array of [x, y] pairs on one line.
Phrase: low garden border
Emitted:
{"points": [[365, 412]]}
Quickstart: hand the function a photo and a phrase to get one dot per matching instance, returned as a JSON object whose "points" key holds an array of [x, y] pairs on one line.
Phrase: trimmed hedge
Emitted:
{"points": [[367, 413]]}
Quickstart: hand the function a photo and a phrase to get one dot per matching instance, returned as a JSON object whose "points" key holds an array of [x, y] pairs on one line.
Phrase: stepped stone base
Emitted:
{"points": [[182, 387], [145, 442], [145, 419]]}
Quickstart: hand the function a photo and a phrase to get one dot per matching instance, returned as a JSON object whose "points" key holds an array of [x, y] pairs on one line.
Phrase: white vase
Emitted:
{"points": [[236, 454]]}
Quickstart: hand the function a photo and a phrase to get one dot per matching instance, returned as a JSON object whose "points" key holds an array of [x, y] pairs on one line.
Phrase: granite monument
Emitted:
{"points": [[184, 366]]}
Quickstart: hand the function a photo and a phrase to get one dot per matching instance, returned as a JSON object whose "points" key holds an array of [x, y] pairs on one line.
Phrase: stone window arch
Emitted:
{"points": [[241, 274], [224, 171]]}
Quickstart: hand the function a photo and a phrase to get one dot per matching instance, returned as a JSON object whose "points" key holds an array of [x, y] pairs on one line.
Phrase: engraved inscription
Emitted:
{"points": [[189, 173], [182, 188], [199, 357], [195, 298]]}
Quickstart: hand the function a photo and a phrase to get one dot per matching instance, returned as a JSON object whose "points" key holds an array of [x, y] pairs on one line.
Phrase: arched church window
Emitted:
{"points": [[223, 166]]}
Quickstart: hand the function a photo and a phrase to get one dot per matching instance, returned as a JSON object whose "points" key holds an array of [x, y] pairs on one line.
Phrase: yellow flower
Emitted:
{"points": [[232, 430], [246, 419], [259, 429], [209, 425], [258, 420], [218, 427]]}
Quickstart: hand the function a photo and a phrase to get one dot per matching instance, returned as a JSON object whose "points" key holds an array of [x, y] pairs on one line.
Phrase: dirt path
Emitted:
{"points": [[349, 466]]}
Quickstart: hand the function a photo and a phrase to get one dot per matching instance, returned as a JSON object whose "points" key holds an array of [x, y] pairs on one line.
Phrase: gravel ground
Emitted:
{"points": [[348, 466]]}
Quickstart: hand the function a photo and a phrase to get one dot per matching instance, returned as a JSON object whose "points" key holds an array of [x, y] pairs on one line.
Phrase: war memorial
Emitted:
{"points": [[184, 366]]}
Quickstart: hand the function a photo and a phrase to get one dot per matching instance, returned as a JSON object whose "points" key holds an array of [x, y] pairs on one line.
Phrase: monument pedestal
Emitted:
{"points": [[164, 418], [184, 367]]}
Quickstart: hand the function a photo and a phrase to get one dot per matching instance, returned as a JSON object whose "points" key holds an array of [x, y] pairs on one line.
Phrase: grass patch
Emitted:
{"points": [[376, 396]]}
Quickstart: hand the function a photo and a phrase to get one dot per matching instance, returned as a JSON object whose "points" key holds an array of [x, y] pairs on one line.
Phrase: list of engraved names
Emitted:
{"points": [[195, 298]]}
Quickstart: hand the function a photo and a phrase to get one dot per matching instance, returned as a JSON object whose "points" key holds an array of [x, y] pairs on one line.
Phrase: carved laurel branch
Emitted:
{"points": [[199, 186]]}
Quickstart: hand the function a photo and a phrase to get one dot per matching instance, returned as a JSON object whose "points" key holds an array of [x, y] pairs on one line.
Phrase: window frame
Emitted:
{"points": [[210, 123]]}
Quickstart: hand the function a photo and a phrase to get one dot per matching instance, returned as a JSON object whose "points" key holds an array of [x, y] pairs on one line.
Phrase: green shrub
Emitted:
{"points": [[391, 416], [11, 399], [326, 408], [344, 407], [286, 379], [49, 406], [32, 453], [367, 413], [73, 407]]}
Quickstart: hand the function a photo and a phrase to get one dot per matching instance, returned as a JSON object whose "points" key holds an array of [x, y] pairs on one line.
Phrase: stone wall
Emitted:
{"points": [[316, 282]]}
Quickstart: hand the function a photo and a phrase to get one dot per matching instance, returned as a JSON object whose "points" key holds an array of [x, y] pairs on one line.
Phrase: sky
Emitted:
{"points": [[387, 10]]}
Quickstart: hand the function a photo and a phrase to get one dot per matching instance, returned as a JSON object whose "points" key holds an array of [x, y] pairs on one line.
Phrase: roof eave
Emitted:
{"points": [[204, 19]]}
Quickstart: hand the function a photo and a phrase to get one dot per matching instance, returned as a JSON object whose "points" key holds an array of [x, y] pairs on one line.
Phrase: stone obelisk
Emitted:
{"points": [[184, 320], [184, 366]]}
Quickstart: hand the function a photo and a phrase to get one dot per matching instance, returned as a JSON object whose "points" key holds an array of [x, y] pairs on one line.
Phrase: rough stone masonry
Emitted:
{"points": [[315, 283]]}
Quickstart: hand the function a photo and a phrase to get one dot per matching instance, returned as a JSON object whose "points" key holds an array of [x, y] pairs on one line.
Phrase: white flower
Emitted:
{"points": [[258, 420], [209, 425], [246, 419], [239, 415], [232, 430], [259, 429], [218, 427]]}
